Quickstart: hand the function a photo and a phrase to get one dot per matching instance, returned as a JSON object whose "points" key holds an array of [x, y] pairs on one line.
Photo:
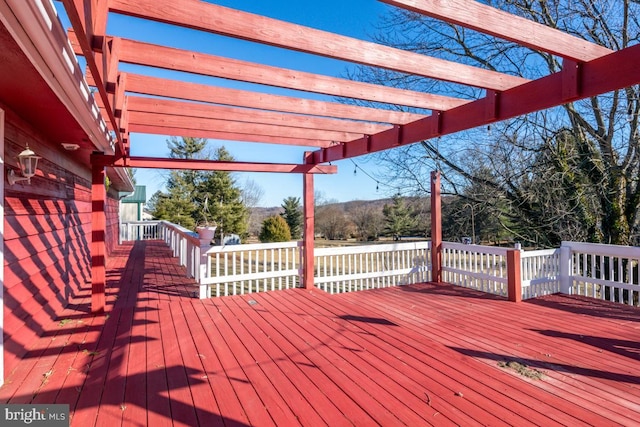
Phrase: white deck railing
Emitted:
{"points": [[594, 270], [604, 271], [540, 272], [474, 266], [355, 268], [241, 269]]}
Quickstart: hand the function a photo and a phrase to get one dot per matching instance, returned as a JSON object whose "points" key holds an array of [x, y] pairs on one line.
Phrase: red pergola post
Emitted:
{"points": [[309, 232], [436, 228], [514, 276], [98, 249]]}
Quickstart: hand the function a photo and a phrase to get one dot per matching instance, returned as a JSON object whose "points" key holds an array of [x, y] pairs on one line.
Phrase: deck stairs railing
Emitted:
{"points": [[594, 270]]}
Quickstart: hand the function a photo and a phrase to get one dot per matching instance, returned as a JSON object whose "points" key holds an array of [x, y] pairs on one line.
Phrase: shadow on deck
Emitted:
{"points": [[418, 355]]}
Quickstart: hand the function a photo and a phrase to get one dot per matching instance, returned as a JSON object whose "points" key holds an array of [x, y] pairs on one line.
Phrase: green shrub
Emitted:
{"points": [[275, 229]]}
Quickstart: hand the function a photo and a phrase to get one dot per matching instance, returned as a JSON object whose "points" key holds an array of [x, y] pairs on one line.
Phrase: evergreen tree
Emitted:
{"points": [[399, 218], [178, 205], [224, 197], [275, 229], [293, 215], [189, 190]]}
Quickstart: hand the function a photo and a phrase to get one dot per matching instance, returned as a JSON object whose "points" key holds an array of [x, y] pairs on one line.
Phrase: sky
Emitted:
{"points": [[354, 18]]}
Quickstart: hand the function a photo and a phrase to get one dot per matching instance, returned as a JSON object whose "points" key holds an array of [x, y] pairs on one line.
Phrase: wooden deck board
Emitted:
{"points": [[418, 355]]}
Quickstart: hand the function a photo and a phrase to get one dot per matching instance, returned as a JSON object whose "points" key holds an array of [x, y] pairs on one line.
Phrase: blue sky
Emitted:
{"points": [[355, 18]]}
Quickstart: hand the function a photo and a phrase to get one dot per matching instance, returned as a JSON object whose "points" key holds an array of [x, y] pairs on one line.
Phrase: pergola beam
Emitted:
{"points": [[198, 110], [489, 20], [213, 165], [228, 136], [156, 86], [611, 72], [228, 125], [234, 23], [152, 55]]}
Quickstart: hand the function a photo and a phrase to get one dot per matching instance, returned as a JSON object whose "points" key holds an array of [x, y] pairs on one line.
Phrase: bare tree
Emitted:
{"points": [[368, 221], [572, 171], [251, 195], [332, 222]]}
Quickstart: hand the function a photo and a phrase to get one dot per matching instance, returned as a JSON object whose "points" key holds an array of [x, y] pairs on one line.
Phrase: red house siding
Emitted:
{"points": [[112, 212], [47, 237]]}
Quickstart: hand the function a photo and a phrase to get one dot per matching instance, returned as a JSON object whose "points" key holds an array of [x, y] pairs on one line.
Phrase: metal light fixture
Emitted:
{"points": [[28, 165]]}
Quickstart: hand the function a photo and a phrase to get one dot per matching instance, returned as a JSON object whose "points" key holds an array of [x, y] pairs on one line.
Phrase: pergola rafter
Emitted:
{"points": [[198, 110], [153, 55], [247, 26]]}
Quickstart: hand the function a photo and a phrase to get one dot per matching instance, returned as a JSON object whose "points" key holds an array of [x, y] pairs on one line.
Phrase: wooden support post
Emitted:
{"points": [[436, 228], [514, 276], [98, 248], [309, 232]]}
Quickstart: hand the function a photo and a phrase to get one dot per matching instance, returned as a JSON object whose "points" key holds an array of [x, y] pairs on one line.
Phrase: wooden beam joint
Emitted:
{"points": [[571, 80], [492, 106]]}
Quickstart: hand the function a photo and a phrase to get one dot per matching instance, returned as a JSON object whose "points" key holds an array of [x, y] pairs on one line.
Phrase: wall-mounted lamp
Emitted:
{"points": [[28, 165]]}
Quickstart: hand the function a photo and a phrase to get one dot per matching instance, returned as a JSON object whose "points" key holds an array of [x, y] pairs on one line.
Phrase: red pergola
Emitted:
{"points": [[332, 131]]}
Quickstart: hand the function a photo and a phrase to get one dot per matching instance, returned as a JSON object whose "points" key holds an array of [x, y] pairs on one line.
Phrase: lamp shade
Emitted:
{"points": [[28, 162]]}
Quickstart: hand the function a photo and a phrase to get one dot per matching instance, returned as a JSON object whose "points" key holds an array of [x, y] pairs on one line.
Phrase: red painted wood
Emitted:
{"points": [[308, 235], [241, 98], [285, 402], [84, 29], [417, 385], [436, 228], [98, 249], [514, 276], [489, 20], [261, 29], [147, 54], [612, 72], [229, 125], [246, 392], [163, 106], [423, 354], [160, 130], [299, 369], [165, 163], [491, 337]]}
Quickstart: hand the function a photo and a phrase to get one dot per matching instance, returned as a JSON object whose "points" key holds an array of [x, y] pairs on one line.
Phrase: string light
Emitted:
{"points": [[378, 183]]}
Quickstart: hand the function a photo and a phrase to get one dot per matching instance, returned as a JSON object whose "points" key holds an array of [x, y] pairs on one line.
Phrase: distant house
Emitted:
{"points": [[132, 205]]}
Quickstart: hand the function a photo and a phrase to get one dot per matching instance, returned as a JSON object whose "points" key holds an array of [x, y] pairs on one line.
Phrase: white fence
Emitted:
{"points": [[594, 270], [474, 266], [356, 268], [540, 272], [241, 269], [604, 271]]}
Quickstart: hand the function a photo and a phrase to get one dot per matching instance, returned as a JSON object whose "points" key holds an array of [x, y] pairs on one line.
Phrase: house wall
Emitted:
{"points": [[47, 237], [130, 212]]}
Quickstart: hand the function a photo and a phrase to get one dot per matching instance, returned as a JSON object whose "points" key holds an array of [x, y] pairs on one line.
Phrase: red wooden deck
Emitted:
{"points": [[419, 355]]}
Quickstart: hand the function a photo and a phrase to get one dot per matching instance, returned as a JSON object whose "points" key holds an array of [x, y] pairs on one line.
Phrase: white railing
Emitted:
{"points": [[355, 268], [540, 272], [241, 269], [185, 246], [483, 268], [594, 270], [604, 271], [140, 230]]}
